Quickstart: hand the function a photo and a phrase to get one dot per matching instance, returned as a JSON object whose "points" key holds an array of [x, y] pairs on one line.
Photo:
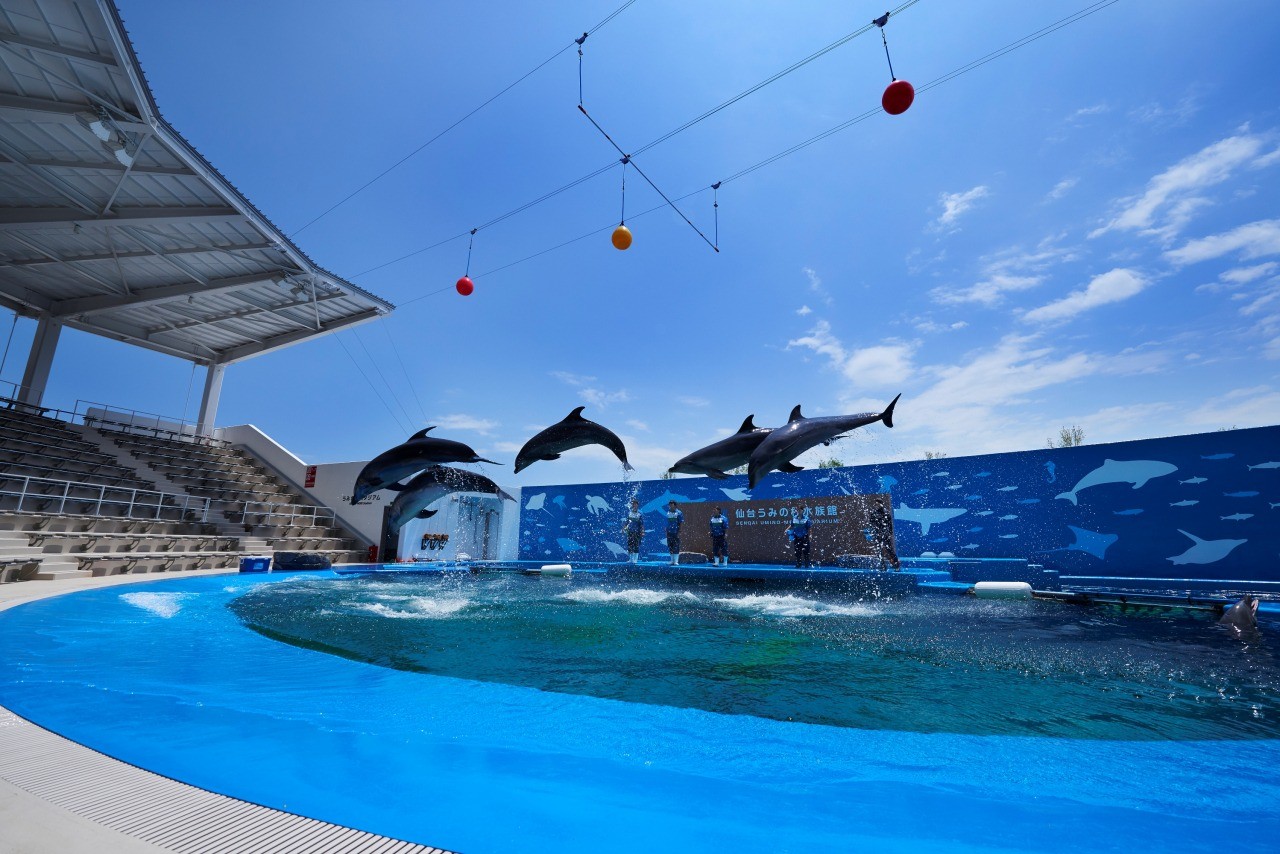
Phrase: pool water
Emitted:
{"points": [[451, 713]]}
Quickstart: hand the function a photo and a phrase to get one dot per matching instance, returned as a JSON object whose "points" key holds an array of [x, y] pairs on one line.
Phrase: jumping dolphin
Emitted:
{"points": [[1136, 472], [434, 483], [800, 434], [1242, 616], [392, 466], [573, 432], [716, 459]]}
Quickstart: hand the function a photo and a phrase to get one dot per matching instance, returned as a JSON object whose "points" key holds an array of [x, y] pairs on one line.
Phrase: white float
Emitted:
{"points": [[559, 569], [1002, 590]]}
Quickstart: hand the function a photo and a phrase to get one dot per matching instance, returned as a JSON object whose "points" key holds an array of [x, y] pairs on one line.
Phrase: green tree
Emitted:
{"points": [[830, 463], [1068, 437], [934, 455], [667, 475]]}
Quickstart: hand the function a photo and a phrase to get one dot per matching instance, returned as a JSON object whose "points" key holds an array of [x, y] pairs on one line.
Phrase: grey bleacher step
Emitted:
{"points": [[53, 569]]}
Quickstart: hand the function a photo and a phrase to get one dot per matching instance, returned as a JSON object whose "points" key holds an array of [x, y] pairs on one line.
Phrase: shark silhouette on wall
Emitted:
{"points": [[1136, 472], [1205, 551], [927, 517]]}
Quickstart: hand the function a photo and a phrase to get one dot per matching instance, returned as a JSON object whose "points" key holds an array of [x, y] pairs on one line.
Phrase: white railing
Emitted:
{"points": [[134, 503], [297, 515]]}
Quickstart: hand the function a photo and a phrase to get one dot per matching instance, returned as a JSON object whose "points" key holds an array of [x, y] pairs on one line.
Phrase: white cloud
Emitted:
{"points": [[1169, 196], [1158, 114], [883, 364], [1085, 112], [930, 326], [803, 310], [1008, 271], [1112, 286], [508, 447], [1244, 275], [955, 205], [815, 285], [636, 424], [461, 421], [572, 379], [589, 393], [1245, 407], [1254, 240], [689, 400], [1061, 188]]}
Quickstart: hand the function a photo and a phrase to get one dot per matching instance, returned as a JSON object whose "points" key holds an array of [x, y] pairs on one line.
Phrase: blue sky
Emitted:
{"points": [[1082, 232]]}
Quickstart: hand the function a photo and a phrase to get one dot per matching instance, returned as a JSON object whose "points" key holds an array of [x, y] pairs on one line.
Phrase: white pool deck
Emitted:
{"points": [[57, 797]]}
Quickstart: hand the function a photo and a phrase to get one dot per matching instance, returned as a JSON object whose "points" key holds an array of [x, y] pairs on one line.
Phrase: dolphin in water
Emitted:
{"points": [[1205, 551], [433, 484], [392, 466], [1136, 472], [573, 432], [800, 434], [1242, 616], [716, 459]]}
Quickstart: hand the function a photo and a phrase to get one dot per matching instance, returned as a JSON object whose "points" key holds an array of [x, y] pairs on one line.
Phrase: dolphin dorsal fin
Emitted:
{"points": [[795, 414], [748, 426], [576, 414], [421, 434]]}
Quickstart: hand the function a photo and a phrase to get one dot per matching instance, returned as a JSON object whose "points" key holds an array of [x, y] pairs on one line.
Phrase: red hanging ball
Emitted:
{"points": [[465, 286], [897, 97]]}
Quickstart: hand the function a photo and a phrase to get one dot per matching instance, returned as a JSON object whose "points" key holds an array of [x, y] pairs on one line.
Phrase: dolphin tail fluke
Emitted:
{"points": [[626, 466], [887, 415], [1070, 496], [789, 468]]}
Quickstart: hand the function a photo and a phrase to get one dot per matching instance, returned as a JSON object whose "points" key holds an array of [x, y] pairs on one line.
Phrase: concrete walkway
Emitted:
{"points": [[57, 797]]}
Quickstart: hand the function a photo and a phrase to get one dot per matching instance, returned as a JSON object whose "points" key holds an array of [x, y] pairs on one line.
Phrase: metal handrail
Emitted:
{"points": [[294, 512], [137, 507]]}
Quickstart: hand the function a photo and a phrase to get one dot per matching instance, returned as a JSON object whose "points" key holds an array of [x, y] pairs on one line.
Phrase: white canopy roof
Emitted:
{"points": [[112, 223]]}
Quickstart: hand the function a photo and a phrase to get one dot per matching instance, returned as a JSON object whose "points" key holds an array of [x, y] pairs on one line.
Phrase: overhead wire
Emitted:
{"points": [[959, 71], [376, 178], [382, 321], [369, 383], [773, 78], [378, 370]]}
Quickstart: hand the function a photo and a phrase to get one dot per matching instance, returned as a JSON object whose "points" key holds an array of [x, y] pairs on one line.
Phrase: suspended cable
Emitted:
{"points": [[376, 178], [715, 207], [674, 132], [191, 381], [382, 321], [378, 370], [370, 384], [626, 158], [5, 360], [938, 81]]}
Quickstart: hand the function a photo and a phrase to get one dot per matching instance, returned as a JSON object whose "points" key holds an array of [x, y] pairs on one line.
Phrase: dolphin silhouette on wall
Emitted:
{"points": [[800, 434], [927, 517], [572, 432], [1205, 551], [716, 459], [1135, 472]]}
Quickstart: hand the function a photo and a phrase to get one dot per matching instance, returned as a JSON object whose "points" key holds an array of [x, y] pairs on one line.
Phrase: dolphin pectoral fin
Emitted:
{"points": [[426, 514], [549, 457], [748, 426], [576, 414], [422, 434], [789, 468], [715, 474], [795, 415], [887, 415], [394, 487]]}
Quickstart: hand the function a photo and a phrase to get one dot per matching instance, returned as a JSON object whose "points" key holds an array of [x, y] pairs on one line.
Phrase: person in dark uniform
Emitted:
{"points": [[719, 537], [882, 536], [675, 518], [633, 527], [798, 533]]}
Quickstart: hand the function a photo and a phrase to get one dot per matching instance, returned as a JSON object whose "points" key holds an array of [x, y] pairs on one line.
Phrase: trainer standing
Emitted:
{"points": [[719, 537], [798, 533], [675, 518]]}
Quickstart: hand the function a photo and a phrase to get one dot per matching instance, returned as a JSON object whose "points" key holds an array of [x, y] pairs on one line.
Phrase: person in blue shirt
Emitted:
{"points": [[719, 537], [633, 527], [675, 518], [798, 533]]}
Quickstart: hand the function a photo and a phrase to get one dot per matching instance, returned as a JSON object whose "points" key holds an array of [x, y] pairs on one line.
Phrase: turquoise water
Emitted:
{"points": [[403, 734]]}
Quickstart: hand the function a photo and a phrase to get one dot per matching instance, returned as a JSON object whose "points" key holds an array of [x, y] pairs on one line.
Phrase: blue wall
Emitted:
{"points": [[1132, 501]]}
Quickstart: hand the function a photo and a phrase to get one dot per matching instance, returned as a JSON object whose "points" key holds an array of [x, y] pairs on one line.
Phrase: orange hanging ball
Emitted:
{"points": [[621, 237], [465, 286], [897, 97]]}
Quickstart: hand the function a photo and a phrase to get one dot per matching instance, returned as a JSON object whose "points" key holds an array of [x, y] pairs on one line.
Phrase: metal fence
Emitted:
{"points": [[287, 515], [40, 494]]}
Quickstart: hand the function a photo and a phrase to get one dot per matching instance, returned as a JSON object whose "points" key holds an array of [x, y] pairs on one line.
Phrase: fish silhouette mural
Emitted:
{"points": [[1089, 542], [927, 517]]}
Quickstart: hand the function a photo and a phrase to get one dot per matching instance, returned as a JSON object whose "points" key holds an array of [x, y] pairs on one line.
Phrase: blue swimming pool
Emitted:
{"points": [[465, 712]]}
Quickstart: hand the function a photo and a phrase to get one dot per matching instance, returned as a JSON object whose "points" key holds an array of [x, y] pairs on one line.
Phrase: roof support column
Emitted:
{"points": [[36, 377], [209, 402]]}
